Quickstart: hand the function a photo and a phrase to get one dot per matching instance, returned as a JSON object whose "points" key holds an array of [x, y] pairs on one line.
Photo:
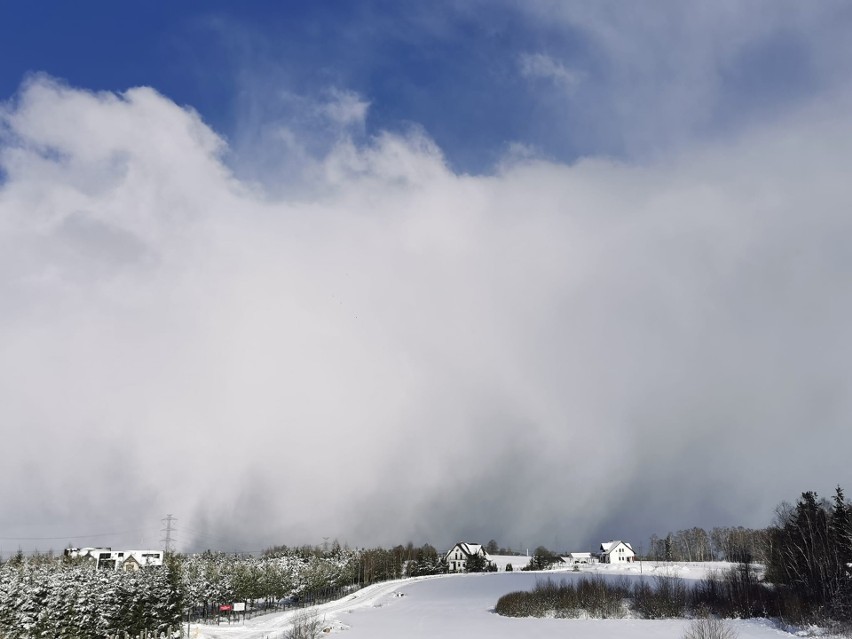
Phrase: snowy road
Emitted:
{"points": [[273, 625]]}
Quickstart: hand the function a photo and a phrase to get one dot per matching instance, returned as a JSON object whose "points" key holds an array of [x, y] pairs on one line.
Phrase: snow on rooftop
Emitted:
{"points": [[467, 548]]}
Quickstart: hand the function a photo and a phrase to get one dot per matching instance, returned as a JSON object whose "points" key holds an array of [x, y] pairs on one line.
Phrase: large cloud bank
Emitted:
{"points": [[391, 351]]}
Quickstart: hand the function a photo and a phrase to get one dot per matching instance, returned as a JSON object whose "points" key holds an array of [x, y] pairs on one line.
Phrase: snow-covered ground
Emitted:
{"points": [[449, 606], [517, 561]]}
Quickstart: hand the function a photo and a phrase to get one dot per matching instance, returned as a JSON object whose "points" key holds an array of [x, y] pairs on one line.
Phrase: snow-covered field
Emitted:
{"points": [[517, 561], [450, 606]]}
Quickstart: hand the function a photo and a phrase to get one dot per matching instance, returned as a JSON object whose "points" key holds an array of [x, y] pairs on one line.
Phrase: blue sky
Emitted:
{"points": [[566, 79], [521, 253], [411, 62]]}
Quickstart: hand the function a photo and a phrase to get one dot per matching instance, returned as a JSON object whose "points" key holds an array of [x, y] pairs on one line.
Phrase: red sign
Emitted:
{"points": [[225, 608]]}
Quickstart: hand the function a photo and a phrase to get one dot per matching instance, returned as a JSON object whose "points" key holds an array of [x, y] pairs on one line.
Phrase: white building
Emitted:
{"points": [[580, 558], [613, 552], [457, 556], [109, 559]]}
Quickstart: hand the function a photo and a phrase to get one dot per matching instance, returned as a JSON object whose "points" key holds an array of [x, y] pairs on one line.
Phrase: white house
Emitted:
{"points": [[457, 556], [580, 558], [109, 559], [613, 552]]}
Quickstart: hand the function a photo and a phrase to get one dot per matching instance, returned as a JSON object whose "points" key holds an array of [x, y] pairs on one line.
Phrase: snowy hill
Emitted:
{"points": [[517, 561], [451, 606]]}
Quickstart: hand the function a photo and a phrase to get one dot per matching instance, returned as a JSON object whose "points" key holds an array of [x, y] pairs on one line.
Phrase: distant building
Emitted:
{"points": [[613, 552], [109, 559], [580, 558], [457, 556]]}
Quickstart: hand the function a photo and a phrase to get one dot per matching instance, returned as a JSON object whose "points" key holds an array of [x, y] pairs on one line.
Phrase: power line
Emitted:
{"points": [[167, 540], [195, 533], [109, 534]]}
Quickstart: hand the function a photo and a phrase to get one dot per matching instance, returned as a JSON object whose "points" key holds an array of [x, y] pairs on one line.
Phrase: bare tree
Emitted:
{"points": [[709, 628], [306, 625]]}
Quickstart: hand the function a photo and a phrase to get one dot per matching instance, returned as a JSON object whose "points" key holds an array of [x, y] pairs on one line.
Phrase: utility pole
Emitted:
{"points": [[168, 530]]}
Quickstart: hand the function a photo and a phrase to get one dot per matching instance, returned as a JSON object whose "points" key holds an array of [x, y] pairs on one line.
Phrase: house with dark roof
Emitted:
{"points": [[458, 555]]}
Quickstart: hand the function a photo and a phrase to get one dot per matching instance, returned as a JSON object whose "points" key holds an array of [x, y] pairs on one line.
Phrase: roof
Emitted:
{"points": [[609, 546], [85, 552], [145, 557], [467, 549]]}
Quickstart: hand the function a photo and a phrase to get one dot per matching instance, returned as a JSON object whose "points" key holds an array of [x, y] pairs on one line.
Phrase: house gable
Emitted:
{"points": [[615, 551], [463, 550], [458, 555], [130, 564], [579, 558]]}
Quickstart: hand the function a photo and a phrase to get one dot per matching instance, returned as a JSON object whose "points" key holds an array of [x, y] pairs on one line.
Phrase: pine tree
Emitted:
{"points": [[841, 528], [542, 559], [475, 563]]}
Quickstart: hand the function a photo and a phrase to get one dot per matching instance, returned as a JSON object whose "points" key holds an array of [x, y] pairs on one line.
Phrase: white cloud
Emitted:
{"points": [[339, 364], [346, 108], [657, 79], [542, 66]]}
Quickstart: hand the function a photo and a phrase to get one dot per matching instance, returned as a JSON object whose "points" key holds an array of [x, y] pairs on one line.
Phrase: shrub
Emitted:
{"points": [[737, 593], [595, 597], [509, 568], [514, 604], [602, 599], [709, 628], [306, 625], [666, 599]]}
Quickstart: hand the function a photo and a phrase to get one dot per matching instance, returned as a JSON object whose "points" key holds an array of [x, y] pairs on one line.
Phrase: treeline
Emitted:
{"points": [[807, 552], [807, 576], [281, 576], [810, 555], [493, 548], [380, 564], [734, 544], [58, 597], [370, 565], [46, 597]]}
